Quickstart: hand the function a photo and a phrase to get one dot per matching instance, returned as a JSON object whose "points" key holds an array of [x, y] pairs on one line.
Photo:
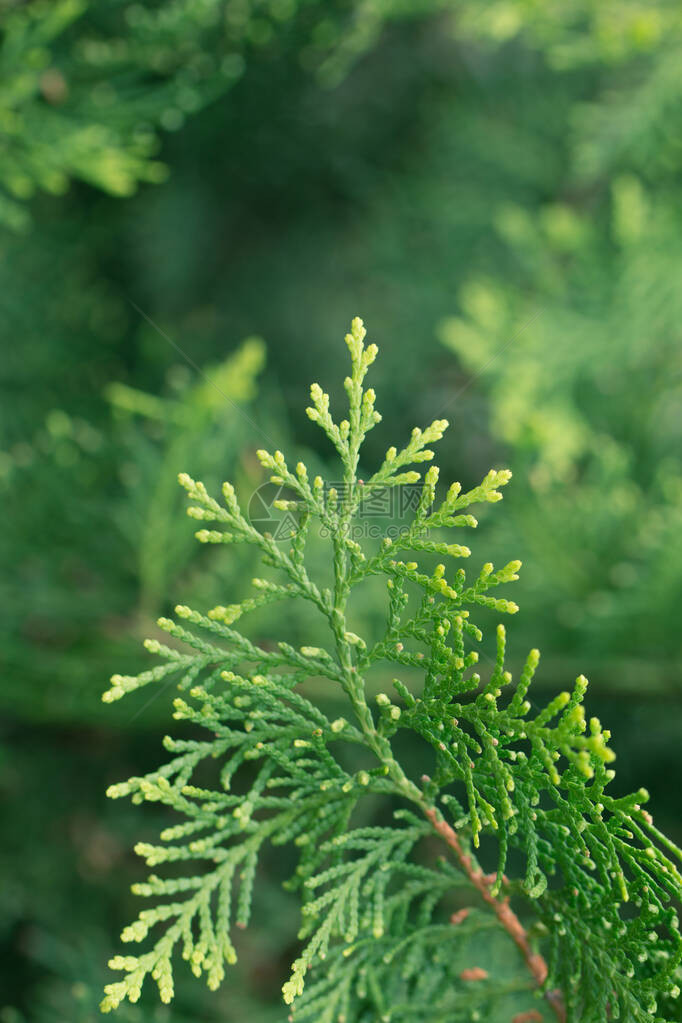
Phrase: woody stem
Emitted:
{"points": [[503, 911]]}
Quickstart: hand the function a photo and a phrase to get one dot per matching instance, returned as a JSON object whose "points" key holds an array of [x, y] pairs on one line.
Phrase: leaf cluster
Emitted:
{"points": [[589, 868]]}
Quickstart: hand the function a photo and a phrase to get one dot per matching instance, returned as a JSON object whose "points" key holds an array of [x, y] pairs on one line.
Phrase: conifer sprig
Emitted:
{"points": [[597, 881]]}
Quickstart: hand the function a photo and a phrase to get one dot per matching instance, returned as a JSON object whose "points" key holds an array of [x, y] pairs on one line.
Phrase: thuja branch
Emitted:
{"points": [[500, 906], [373, 912]]}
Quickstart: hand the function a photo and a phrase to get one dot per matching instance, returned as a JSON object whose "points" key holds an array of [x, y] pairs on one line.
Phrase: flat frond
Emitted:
{"points": [[387, 932]]}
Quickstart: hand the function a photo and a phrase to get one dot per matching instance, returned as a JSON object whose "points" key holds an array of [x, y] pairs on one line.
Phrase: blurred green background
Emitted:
{"points": [[196, 196]]}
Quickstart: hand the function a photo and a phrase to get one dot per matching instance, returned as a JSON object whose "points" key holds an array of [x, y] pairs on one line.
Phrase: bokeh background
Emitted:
{"points": [[196, 196]]}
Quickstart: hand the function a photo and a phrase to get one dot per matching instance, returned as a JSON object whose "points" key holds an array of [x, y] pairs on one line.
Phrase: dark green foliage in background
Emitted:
{"points": [[87, 84], [496, 186]]}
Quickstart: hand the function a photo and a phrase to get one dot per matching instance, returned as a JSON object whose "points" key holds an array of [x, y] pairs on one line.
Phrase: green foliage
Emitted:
{"points": [[205, 419], [145, 550], [577, 346], [513, 149], [264, 765], [88, 84]]}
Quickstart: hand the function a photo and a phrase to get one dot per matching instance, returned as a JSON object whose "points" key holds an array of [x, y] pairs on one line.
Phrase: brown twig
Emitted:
{"points": [[503, 911]]}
